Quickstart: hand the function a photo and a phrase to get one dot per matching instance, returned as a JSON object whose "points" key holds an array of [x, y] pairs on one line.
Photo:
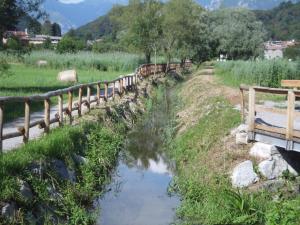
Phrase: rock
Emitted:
{"points": [[243, 175], [25, 190], [62, 171], [263, 151], [273, 185], [274, 167], [9, 210], [68, 76], [80, 159], [41, 63], [241, 138], [36, 169], [243, 128]]}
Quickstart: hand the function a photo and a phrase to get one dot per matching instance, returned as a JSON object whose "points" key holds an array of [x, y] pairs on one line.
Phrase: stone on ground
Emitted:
{"points": [[68, 76], [9, 210], [243, 175], [25, 190], [42, 63], [241, 138], [263, 151]]}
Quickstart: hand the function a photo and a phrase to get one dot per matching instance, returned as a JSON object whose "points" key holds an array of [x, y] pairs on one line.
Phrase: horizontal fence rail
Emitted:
{"points": [[288, 132], [108, 89]]}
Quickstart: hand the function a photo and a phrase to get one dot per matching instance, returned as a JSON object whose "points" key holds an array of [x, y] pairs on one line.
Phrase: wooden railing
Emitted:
{"points": [[288, 132], [124, 83]]}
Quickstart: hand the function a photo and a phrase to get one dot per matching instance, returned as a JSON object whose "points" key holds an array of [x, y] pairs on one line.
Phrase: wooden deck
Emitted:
{"points": [[276, 125]]}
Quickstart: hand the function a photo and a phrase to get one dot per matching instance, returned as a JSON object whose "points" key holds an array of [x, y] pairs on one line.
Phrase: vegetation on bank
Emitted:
{"points": [[56, 199], [204, 156], [268, 73]]}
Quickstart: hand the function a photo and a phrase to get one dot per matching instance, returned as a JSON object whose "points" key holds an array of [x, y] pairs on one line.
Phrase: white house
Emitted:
{"points": [[273, 51]]}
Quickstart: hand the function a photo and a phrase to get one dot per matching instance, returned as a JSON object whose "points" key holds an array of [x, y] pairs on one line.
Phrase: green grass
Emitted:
{"points": [[26, 80], [268, 73], [99, 143]]}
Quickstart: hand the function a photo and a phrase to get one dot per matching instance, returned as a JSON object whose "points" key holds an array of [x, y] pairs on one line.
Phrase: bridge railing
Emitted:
{"points": [[288, 132], [122, 83]]}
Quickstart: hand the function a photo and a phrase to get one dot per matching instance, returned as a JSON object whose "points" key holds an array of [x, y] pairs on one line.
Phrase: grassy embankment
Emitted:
{"points": [[54, 198], [205, 154], [26, 78]]}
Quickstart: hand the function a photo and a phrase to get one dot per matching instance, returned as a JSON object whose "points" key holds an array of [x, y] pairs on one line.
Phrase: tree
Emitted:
{"points": [[69, 45], [56, 30], [12, 10], [143, 25], [47, 28], [237, 32]]}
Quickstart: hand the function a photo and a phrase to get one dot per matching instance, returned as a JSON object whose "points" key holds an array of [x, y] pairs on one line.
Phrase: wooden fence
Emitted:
{"points": [[287, 132], [124, 83]]}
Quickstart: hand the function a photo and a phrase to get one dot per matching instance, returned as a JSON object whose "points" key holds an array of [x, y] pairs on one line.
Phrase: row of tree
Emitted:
{"points": [[183, 29]]}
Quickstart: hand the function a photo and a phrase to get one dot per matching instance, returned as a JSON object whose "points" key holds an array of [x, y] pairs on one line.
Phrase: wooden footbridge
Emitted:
{"points": [[104, 91], [276, 124]]}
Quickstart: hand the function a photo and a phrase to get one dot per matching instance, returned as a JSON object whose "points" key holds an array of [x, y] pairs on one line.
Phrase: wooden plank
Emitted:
{"points": [[276, 130], [251, 118], [242, 105], [12, 135], [60, 110], [1, 127], [278, 91], [106, 91], [290, 83], [290, 115], [26, 122], [88, 98], [47, 115], [113, 92]]}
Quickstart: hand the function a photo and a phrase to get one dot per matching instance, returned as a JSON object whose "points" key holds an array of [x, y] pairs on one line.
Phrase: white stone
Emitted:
{"points": [[263, 151], [68, 76], [241, 138], [25, 190], [243, 128], [9, 210], [243, 175]]}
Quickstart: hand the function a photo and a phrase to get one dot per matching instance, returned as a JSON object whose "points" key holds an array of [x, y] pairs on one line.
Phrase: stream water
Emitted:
{"points": [[138, 194]]}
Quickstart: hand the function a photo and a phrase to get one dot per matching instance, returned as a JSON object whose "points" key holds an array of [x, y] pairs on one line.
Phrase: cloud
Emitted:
{"points": [[71, 1]]}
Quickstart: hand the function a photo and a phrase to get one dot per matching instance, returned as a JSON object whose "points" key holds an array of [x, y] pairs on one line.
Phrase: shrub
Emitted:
{"points": [[69, 45]]}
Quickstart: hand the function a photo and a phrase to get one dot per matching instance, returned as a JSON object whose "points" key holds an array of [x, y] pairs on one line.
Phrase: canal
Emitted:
{"points": [[138, 193]]}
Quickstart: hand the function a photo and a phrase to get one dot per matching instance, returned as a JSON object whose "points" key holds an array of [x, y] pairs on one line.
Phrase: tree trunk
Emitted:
{"points": [[148, 57]]}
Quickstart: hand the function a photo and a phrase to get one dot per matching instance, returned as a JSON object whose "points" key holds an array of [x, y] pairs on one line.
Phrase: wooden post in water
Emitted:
{"points": [[88, 97], [47, 115], [26, 122], [70, 105], [80, 102], [98, 93], [1, 126], [290, 115], [60, 110]]}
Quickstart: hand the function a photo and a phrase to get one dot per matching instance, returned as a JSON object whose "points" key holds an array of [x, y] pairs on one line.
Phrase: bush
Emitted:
{"points": [[4, 67], [69, 45]]}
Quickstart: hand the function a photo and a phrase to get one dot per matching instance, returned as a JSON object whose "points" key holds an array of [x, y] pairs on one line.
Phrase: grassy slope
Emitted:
{"points": [[205, 157], [97, 142]]}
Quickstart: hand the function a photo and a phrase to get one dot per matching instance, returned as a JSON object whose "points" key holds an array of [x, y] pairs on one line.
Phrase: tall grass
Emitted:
{"points": [[117, 61], [264, 72]]}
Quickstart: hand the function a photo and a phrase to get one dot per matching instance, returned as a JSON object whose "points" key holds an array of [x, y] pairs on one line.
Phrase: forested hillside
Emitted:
{"points": [[282, 22]]}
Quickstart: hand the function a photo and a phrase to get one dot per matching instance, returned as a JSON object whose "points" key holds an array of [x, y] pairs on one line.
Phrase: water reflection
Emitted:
{"points": [[138, 194]]}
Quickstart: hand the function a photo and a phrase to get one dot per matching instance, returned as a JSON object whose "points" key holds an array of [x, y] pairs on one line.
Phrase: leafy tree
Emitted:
{"points": [[237, 32], [69, 45], [12, 10], [56, 30], [47, 44], [47, 28], [143, 25]]}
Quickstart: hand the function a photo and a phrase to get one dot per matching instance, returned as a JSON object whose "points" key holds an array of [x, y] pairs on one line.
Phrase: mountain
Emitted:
{"points": [[282, 22], [75, 13]]}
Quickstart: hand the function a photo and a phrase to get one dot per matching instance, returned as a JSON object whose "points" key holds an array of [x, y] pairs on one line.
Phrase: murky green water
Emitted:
{"points": [[139, 194]]}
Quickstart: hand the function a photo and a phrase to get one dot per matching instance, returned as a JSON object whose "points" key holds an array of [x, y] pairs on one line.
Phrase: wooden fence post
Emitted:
{"points": [[251, 118], [290, 115], [88, 98], [47, 115], [98, 93], [26, 122], [60, 110], [242, 105], [113, 91], [121, 86], [70, 105], [106, 91], [1, 126], [80, 102]]}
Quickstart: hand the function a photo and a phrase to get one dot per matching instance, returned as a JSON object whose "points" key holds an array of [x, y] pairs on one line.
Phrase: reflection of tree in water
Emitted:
{"points": [[146, 142]]}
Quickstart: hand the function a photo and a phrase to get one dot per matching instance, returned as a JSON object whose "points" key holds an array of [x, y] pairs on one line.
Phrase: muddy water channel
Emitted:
{"points": [[138, 194]]}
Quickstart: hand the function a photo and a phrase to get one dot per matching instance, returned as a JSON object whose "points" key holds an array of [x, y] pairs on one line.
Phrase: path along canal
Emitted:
{"points": [[138, 194]]}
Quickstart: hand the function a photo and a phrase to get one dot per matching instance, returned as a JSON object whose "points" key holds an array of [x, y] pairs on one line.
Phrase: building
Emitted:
{"points": [[40, 39], [22, 35], [274, 49]]}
